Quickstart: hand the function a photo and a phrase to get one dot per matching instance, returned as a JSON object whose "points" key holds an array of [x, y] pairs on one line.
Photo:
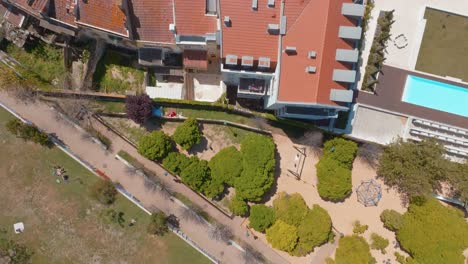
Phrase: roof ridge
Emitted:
{"points": [[322, 48], [298, 16]]}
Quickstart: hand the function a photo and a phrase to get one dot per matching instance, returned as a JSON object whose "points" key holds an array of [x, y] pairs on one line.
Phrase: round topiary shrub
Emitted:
{"points": [[155, 146]]}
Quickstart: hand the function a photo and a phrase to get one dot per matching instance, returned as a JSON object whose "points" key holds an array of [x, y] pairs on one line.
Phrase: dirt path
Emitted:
{"points": [[46, 118]]}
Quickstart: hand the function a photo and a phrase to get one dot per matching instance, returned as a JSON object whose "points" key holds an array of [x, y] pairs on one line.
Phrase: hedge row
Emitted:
{"points": [[334, 169]]}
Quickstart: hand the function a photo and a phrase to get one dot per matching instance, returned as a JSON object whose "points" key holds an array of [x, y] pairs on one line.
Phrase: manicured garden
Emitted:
{"points": [[71, 221], [443, 49]]}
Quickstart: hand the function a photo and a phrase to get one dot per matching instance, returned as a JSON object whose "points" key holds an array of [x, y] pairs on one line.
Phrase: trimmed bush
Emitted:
{"points": [[176, 162], [334, 181], [238, 206], [433, 233], [353, 250], [379, 243], [104, 191], [188, 133], [358, 228], [258, 162], [158, 224], [290, 208], [282, 236], [261, 217], [196, 175], [155, 146], [341, 150], [138, 108], [313, 231], [226, 165], [391, 219]]}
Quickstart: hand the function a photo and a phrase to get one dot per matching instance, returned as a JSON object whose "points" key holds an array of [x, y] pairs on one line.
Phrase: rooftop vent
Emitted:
{"points": [[312, 54], [231, 59], [271, 3], [290, 50], [264, 62], [254, 4], [247, 61], [311, 69], [227, 21], [172, 28], [273, 29]]}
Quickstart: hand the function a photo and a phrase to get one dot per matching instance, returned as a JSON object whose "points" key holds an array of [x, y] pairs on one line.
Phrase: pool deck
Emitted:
{"points": [[390, 90]]}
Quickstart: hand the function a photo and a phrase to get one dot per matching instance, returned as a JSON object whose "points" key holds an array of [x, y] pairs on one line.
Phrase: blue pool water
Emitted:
{"points": [[436, 95]]}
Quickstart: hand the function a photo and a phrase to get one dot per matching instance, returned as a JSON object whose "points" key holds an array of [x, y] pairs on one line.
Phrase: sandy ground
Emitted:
{"points": [[343, 214]]}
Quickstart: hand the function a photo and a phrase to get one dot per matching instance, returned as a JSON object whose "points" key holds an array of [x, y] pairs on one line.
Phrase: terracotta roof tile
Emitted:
{"points": [[151, 19], [39, 6], [315, 29], [11, 15], [247, 35], [196, 59], [103, 14], [191, 18], [62, 10]]}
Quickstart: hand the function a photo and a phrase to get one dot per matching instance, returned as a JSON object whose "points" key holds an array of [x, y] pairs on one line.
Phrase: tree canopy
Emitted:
{"points": [[334, 181], [139, 107], [282, 236], [353, 250], [391, 219], [290, 208], [158, 224], [261, 217], [226, 165], [104, 191], [258, 162], [188, 133], [196, 175], [432, 233], [155, 145], [176, 162], [341, 150], [238, 206]]}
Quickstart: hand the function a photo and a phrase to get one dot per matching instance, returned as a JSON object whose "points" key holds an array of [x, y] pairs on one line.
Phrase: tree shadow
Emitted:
{"points": [[200, 147]]}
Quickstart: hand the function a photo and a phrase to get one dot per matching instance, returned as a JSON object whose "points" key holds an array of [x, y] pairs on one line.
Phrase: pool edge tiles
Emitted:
{"points": [[436, 95]]}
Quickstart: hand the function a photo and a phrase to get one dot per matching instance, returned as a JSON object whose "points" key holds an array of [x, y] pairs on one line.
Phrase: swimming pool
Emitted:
{"points": [[436, 95]]}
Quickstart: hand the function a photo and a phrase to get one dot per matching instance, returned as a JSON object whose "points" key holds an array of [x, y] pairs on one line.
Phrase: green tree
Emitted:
{"points": [[334, 181], [261, 217], [313, 231], [378, 242], [414, 168], [433, 233], [176, 162], [213, 187], [238, 206], [28, 132], [290, 208], [457, 177], [391, 219], [353, 250], [196, 175], [188, 133], [341, 150], [158, 224], [282, 236], [155, 146], [258, 163], [226, 165], [104, 191]]}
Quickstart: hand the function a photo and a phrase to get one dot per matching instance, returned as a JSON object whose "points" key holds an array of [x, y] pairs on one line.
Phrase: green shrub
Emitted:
{"points": [[176, 162], [28, 132], [238, 206], [155, 145], [111, 216], [400, 258], [334, 181], [104, 191], [379, 243], [258, 162], [188, 133], [261, 217], [282, 236], [17, 253], [226, 165], [158, 224], [358, 228], [213, 187], [290, 208], [353, 250], [196, 175], [391, 219], [433, 233], [313, 231], [341, 150]]}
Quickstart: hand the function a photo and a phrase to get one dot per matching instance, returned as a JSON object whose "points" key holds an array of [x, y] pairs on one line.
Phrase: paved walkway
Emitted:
{"points": [[46, 118]]}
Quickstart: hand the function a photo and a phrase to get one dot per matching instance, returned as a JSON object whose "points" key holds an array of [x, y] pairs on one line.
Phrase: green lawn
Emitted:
{"points": [[63, 224], [443, 50], [117, 73]]}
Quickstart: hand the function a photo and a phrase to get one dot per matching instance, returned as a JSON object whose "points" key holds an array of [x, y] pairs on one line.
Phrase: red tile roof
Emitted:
{"points": [[103, 14], [58, 10], [35, 5], [151, 19], [247, 35], [191, 18], [12, 15], [196, 59], [315, 29]]}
